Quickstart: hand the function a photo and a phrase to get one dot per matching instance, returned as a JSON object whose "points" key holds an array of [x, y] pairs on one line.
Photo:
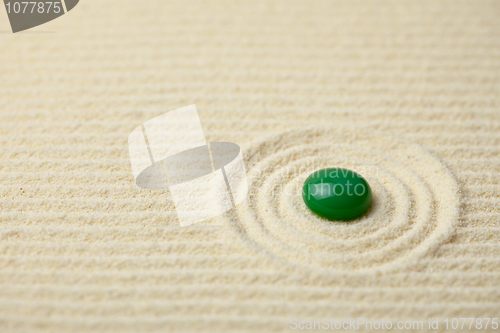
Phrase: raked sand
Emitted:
{"points": [[406, 93]]}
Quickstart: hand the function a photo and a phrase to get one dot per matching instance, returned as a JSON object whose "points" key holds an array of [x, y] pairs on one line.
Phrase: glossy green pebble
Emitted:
{"points": [[337, 194]]}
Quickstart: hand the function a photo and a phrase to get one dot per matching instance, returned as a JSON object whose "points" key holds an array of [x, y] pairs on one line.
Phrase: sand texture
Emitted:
{"points": [[407, 93]]}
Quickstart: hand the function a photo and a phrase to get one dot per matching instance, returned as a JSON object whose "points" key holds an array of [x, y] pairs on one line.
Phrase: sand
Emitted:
{"points": [[406, 93]]}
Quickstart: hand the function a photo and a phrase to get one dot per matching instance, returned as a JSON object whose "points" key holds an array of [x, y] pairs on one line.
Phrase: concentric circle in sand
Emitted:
{"points": [[414, 209]]}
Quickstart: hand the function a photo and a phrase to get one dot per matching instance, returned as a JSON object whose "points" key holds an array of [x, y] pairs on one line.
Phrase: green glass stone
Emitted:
{"points": [[337, 194]]}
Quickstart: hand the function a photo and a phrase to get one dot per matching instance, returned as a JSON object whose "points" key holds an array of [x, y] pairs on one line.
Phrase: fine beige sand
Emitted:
{"points": [[405, 92]]}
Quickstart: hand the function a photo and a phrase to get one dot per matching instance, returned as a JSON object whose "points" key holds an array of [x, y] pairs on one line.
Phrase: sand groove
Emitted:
{"points": [[415, 206]]}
